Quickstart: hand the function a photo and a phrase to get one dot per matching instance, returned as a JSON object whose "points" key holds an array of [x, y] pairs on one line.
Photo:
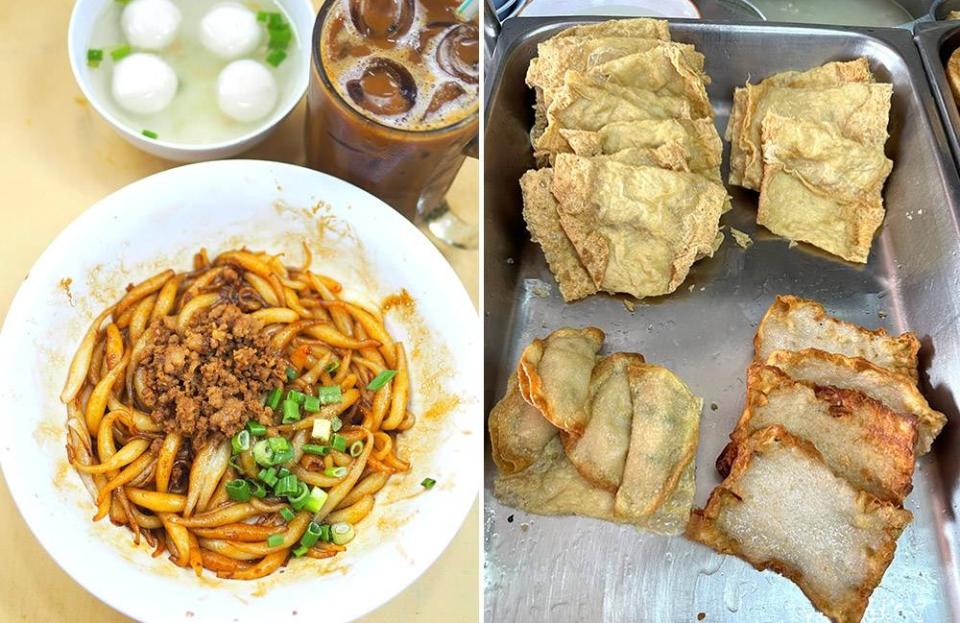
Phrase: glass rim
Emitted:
{"points": [[317, 61]]}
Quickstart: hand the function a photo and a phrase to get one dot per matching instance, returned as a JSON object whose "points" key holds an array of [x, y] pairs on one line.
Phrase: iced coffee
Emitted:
{"points": [[393, 97]]}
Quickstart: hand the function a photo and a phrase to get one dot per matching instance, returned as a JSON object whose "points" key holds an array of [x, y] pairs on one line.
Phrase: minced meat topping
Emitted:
{"points": [[209, 379]]}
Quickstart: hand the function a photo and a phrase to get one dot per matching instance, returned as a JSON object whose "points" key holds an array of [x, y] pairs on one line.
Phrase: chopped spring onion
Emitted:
{"points": [[94, 56], [240, 442], [329, 395], [335, 472], [275, 57], [273, 398], [269, 476], [118, 53], [263, 453], [336, 423], [342, 533], [275, 20], [312, 448], [150, 134], [283, 472], [300, 550], [311, 404], [339, 442], [287, 514], [325, 533], [275, 540], [256, 428], [262, 16], [291, 374], [321, 429], [287, 485], [356, 448], [282, 451], [298, 498], [381, 379], [282, 457], [257, 489], [296, 396], [311, 536], [278, 443], [291, 411], [238, 490], [428, 483], [316, 500], [333, 365]]}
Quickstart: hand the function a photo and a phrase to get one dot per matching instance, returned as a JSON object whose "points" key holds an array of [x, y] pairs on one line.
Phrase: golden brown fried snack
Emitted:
{"points": [[795, 324], [632, 464], [554, 375], [953, 72], [821, 188], [600, 453], [781, 508], [543, 223], [860, 439], [584, 103], [663, 70], [552, 486], [518, 431], [557, 56], [853, 373], [743, 130], [658, 477], [636, 229], [697, 137], [641, 27]]}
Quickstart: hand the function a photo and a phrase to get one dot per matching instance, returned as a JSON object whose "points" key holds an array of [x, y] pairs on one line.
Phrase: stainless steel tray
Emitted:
{"points": [[572, 569], [936, 42]]}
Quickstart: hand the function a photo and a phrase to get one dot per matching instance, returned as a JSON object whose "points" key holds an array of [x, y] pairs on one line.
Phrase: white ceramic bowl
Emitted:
{"points": [[161, 221], [85, 14]]}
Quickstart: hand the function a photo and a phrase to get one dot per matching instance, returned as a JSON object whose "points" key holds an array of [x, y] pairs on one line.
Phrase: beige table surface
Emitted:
{"points": [[57, 158]]}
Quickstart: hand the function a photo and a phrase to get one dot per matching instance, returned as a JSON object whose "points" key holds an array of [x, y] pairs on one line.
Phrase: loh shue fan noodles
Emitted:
{"points": [[237, 414]]}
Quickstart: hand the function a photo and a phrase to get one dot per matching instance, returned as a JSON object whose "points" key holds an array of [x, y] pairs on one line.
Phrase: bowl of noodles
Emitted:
{"points": [[244, 391]]}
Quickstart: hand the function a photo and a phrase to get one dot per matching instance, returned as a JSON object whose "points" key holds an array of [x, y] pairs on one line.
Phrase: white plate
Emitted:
{"points": [[161, 221]]}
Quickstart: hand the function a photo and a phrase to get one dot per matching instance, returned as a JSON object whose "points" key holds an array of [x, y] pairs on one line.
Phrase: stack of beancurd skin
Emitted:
{"points": [[613, 437], [822, 458], [812, 143], [628, 194]]}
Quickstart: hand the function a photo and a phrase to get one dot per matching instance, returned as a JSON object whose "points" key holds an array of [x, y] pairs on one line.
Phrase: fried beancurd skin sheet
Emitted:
{"points": [[781, 508], [895, 391], [556, 56], [543, 223], [637, 230], [859, 438], [641, 27], [584, 103], [658, 477], [795, 324], [554, 375], [821, 188], [518, 432], [697, 137], [601, 452], [663, 70], [744, 150], [860, 112]]}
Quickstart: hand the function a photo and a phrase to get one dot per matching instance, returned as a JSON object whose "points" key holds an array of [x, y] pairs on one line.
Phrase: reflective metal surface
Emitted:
{"points": [[936, 42], [563, 569]]}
